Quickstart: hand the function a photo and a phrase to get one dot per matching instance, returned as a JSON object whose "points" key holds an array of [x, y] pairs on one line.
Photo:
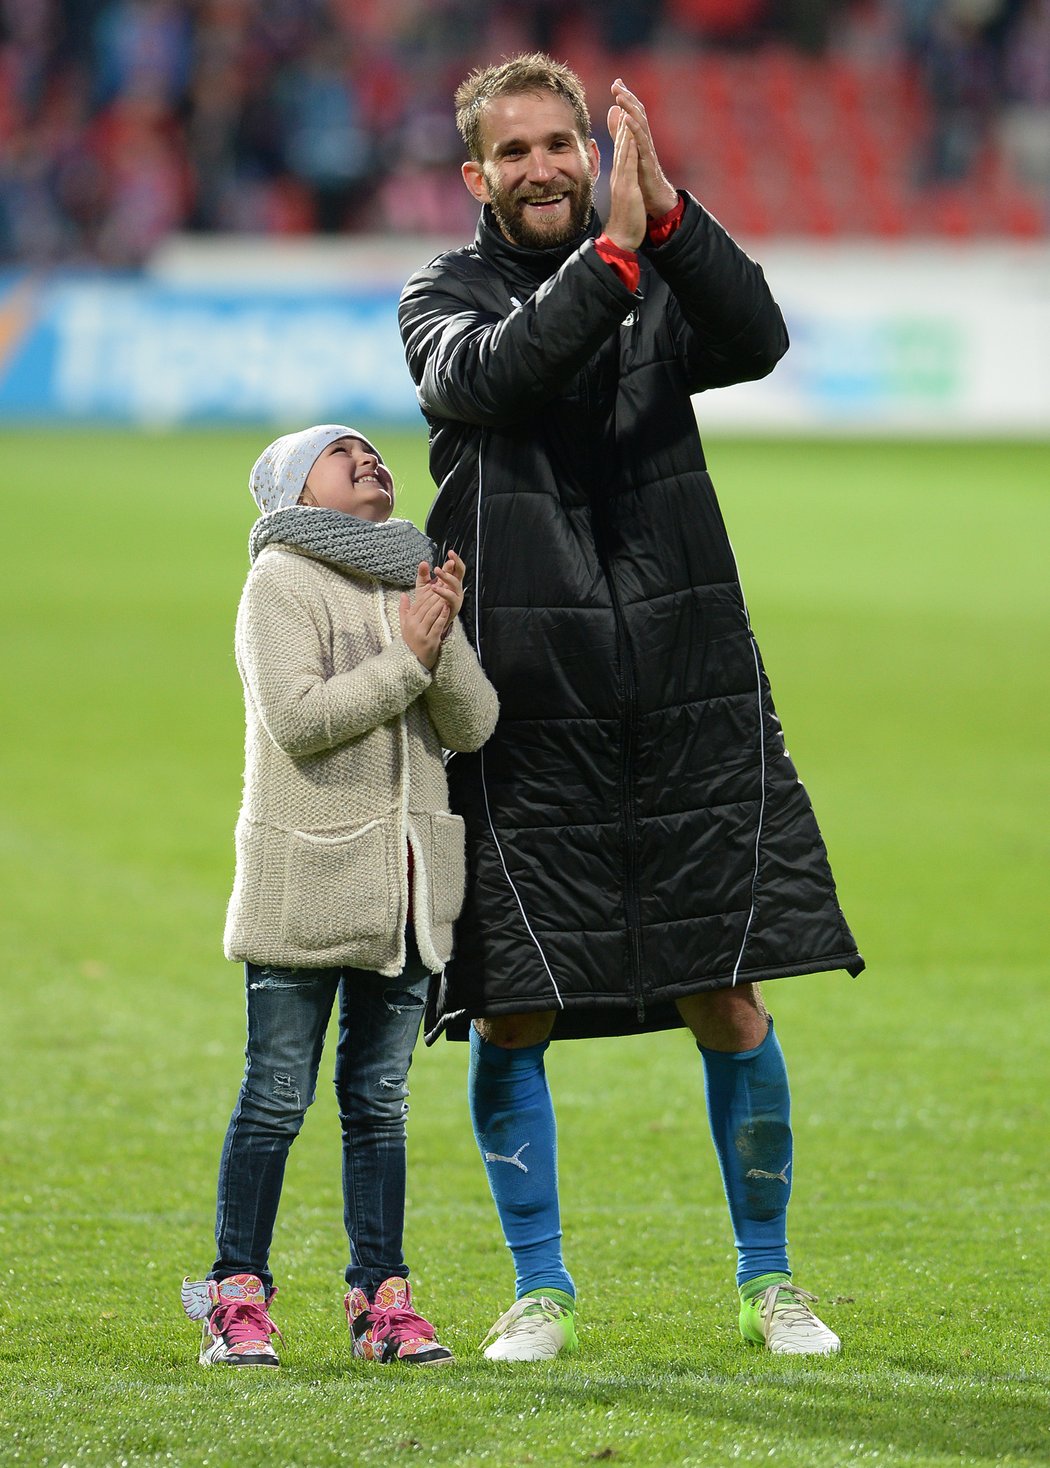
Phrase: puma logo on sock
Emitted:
{"points": [[514, 1161], [776, 1177]]}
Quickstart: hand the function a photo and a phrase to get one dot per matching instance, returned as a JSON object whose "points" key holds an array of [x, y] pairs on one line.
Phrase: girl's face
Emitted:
{"points": [[351, 477]]}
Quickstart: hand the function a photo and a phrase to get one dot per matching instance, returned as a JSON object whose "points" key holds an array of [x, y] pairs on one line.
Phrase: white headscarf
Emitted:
{"points": [[280, 471]]}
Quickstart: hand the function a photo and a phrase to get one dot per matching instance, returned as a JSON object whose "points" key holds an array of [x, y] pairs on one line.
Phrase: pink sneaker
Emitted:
{"points": [[237, 1325], [389, 1329]]}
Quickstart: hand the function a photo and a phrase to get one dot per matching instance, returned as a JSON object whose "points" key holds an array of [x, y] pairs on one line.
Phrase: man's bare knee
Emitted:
{"points": [[727, 1019], [515, 1031]]}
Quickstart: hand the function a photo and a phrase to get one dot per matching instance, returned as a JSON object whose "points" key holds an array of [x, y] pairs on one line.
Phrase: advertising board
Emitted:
{"points": [[883, 341]]}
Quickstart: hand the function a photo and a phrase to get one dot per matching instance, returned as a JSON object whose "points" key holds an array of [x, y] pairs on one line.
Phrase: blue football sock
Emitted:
{"points": [[749, 1106], [513, 1117]]}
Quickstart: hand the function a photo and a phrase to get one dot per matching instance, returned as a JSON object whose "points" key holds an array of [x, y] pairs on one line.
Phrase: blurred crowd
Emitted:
{"points": [[124, 120]]}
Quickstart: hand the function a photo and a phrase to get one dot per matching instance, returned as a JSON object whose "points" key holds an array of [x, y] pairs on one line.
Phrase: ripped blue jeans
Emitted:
{"points": [[288, 1013]]}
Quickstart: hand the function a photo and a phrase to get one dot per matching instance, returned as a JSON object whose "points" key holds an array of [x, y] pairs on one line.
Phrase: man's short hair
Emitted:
{"points": [[531, 71]]}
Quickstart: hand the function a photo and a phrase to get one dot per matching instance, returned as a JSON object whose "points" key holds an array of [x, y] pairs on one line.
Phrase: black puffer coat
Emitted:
{"points": [[636, 829]]}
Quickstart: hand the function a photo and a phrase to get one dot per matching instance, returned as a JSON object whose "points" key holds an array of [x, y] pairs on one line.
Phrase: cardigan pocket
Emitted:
{"points": [[448, 867], [341, 888]]}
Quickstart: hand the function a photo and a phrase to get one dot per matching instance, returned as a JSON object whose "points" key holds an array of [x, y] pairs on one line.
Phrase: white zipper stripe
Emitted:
{"points": [[762, 763], [761, 812]]}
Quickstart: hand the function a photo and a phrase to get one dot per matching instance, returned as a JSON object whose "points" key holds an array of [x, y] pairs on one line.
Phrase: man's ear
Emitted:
{"points": [[594, 157], [474, 178]]}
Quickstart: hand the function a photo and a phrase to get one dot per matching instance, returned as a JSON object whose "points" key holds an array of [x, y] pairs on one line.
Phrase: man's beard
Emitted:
{"points": [[536, 233]]}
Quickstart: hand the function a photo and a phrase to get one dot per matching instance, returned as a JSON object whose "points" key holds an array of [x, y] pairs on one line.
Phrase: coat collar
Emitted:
{"points": [[528, 266]]}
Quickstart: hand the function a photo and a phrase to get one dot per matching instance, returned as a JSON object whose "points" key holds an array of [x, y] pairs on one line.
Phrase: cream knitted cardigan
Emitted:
{"points": [[343, 769]]}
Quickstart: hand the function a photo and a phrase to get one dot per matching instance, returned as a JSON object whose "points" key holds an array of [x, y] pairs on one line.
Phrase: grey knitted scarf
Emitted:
{"points": [[390, 550]]}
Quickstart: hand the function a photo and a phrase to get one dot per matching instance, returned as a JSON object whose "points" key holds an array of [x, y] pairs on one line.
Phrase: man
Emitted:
{"points": [[640, 849]]}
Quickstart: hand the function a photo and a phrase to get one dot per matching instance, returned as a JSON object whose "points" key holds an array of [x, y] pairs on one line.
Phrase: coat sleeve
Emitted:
{"points": [[482, 368], [726, 324], [461, 701], [304, 711]]}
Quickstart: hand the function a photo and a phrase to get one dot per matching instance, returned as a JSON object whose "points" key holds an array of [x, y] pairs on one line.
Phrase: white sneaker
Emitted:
{"points": [[780, 1319], [535, 1328]]}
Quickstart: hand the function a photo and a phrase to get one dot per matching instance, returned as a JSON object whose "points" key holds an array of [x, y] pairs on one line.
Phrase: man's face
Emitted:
{"points": [[537, 173]]}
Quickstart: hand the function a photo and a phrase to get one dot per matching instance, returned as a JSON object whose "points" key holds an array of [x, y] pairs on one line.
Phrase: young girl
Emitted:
{"points": [[350, 869]]}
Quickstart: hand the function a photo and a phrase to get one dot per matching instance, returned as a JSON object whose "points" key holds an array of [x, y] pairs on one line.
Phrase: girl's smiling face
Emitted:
{"points": [[350, 476]]}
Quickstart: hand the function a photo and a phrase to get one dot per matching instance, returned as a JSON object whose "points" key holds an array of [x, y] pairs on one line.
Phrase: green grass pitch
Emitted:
{"points": [[901, 597]]}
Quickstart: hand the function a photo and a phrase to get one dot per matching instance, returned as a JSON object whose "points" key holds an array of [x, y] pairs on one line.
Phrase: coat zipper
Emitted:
{"points": [[629, 694], [629, 701], [403, 836], [628, 698], [630, 894]]}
